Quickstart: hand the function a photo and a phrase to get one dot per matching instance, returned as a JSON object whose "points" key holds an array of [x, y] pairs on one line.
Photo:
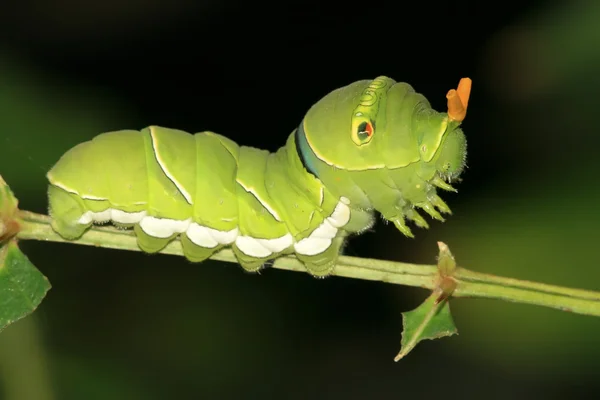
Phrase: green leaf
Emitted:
{"points": [[22, 285], [431, 320]]}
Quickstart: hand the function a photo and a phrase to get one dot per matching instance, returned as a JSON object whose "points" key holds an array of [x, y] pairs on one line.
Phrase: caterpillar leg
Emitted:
{"points": [[151, 244], [254, 263], [322, 264], [400, 215], [431, 207], [249, 263], [400, 222], [196, 253]]}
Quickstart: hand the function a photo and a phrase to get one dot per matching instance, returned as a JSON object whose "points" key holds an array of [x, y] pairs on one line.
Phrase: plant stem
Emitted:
{"points": [[469, 284]]}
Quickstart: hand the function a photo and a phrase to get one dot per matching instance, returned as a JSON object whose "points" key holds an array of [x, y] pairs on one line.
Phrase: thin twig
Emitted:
{"points": [[469, 284]]}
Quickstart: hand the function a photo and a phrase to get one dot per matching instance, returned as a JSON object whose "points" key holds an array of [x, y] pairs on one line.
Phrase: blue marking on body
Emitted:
{"points": [[307, 156]]}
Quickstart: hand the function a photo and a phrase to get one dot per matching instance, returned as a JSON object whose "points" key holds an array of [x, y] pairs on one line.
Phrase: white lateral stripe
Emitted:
{"points": [[340, 215], [163, 166], [208, 237], [321, 196], [101, 216], [126, 217], [86, 218], [261, 248], [200, 236], [317, 242], [111, 214], [162, 227], [252, 247], [89, 216], [225, 237], [261, 201], [324, 231], [321, 238], [312, 246], [278, 244]]}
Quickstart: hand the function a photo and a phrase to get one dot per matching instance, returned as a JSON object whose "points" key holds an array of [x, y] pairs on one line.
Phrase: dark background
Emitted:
{"points": [[125, 325]]}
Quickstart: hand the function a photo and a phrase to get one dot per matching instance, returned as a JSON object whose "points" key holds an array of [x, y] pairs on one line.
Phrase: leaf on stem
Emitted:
{"points": [[428, 321], [22, 285]]}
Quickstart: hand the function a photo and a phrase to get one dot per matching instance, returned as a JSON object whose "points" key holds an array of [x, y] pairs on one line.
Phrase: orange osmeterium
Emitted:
{"points": [[458, 100]]}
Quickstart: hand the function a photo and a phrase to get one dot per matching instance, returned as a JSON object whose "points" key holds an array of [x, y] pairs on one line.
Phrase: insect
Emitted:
{"points": [[372, 146]]}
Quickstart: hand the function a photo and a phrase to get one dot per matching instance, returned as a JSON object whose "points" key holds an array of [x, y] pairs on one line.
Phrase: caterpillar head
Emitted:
{"points": [[382, 145]]}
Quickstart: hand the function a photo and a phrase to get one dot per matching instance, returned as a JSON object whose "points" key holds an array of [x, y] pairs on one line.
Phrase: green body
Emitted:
{"points": [[370, 146]]}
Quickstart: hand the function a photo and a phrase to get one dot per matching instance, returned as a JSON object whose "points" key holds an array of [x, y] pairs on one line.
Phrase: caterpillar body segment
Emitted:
{"points": [[372, 146], [238, 199]]}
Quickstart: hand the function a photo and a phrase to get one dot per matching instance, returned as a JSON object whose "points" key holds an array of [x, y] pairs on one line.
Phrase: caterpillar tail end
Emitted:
{"points": [[458, 100], [66, 212]]}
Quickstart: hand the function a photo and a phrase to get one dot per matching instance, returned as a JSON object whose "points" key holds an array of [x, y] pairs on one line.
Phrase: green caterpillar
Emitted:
{"points": [[374, 145]]}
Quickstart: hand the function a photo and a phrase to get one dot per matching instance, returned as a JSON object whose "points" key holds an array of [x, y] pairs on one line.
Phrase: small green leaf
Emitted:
{"points": [[22, 285], [431, 320]]}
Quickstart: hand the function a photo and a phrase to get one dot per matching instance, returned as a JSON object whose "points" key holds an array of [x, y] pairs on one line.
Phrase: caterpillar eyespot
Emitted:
{"points": [[365, 131], [305, 199]]}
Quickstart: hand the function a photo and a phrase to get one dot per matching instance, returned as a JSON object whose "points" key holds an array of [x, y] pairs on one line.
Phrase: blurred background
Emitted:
{"points": [[125, 325]]}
